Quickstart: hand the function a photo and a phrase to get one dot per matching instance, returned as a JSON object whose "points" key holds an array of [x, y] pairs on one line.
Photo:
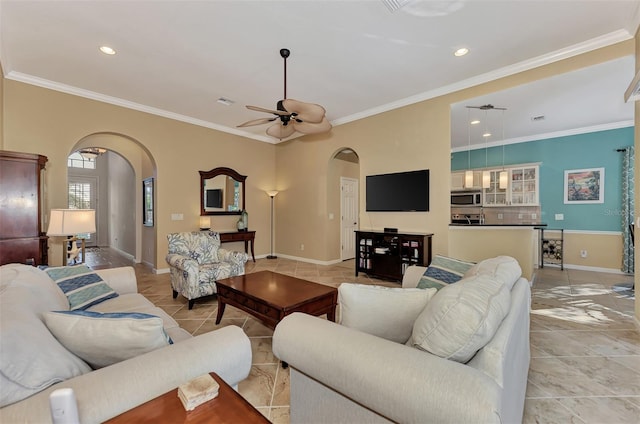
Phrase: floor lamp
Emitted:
{"points": [[272, 194], [70, 222]]}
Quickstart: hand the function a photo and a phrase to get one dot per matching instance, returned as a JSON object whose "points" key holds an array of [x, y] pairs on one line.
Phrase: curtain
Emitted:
{"points": [[628, 205]]}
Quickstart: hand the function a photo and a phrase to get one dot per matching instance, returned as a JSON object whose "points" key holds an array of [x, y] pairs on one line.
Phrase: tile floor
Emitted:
{"points": [[585, 365]]}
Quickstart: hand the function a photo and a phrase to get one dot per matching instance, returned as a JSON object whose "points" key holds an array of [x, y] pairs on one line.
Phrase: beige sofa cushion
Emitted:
{"points": [[503, 268], [462, 317], [386, 312], [32, 359], [105, 339]]}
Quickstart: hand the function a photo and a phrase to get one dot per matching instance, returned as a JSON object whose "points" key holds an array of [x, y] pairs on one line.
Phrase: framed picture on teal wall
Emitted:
{"points": [[584, 186]]}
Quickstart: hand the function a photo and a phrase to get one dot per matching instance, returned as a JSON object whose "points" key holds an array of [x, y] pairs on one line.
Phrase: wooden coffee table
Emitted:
{"points": [[270, 296], [227, 408]]}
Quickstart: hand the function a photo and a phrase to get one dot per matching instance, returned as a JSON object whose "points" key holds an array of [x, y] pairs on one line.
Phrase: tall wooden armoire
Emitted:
{"points": [[21, 236]]}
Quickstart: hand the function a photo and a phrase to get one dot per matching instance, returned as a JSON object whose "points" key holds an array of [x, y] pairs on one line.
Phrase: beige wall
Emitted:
{"points": [[604, 250], [50, 123], [122, 195], [475, 244]]}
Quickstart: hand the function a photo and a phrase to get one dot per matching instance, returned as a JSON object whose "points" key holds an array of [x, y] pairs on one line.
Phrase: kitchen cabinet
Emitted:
{"points": [[457, 180], [522, 187]]}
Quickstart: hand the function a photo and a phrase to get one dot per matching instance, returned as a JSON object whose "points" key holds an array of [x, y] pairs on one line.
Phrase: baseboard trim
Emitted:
{"points": [[586, 268], [311, 261]]}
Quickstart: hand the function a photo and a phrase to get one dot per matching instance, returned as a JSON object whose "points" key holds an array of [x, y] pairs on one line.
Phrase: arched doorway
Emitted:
{"points": [[343, 188], [126, 164]]}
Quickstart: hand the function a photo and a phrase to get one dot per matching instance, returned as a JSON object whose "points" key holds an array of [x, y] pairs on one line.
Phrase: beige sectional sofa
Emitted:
{"points": [[33, 363], [345, 375]]}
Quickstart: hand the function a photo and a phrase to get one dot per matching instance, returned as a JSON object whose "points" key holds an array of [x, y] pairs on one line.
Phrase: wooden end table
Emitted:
{"points": [[228, 408], [270, 296], [247, 236]]}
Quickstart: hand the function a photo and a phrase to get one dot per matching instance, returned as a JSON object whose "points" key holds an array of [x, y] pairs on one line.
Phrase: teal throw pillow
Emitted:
{"points": [[83, 287], [443, 271]]}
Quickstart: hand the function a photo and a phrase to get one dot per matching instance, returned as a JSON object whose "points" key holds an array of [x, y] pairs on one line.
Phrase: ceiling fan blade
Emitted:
{"points": [[308, 112], [487, 107], [256, 122], [312, 128], [261, 109], [280, 131]]}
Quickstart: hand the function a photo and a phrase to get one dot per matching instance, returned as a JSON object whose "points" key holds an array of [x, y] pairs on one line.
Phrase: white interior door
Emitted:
{"points": [[83, 195], [349, 216]]}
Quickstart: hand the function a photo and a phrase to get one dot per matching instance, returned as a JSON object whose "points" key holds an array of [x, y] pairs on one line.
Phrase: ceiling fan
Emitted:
{"points": [[291, 115], [488, 106]]}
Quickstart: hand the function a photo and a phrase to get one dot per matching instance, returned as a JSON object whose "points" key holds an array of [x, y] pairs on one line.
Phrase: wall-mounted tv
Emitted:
{"points": [[398, 192], [214, 198]]}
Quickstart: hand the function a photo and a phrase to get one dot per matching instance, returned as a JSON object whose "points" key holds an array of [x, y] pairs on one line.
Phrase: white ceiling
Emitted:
{"points": [[356, 58]]}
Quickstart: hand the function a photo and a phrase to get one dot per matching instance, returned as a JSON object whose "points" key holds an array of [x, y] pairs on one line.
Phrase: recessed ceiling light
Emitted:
{"points": [[461, 51], [475, 122], [107, 50], [487, 134]]}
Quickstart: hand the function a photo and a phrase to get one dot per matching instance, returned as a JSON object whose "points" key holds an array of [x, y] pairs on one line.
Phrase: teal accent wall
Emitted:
{"points": [[591, 150]]}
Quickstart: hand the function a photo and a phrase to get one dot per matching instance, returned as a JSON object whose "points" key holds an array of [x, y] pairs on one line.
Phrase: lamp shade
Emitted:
{"points": [[272, 193], [66, 222], [205, 222]]}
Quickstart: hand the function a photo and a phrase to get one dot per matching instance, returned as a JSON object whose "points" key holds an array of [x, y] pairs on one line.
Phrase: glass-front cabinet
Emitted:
{"points": [[522, 187], [494, 195]]}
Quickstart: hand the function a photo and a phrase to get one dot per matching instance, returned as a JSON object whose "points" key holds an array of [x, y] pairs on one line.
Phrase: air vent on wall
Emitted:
{"points": [[538, 118]]}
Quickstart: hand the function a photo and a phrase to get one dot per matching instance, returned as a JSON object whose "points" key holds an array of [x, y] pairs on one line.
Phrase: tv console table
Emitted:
{"points": [[246, 236], [388, 255]]}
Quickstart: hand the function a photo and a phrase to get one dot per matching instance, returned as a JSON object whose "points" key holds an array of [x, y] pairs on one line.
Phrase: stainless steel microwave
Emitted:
{"points": [[466, 198]]}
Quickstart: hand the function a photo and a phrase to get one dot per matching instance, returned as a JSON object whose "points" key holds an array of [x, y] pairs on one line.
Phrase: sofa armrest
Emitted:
{"points": [[237, 258], [110, 391], [122, 280], [398, 382], [412, 275]]}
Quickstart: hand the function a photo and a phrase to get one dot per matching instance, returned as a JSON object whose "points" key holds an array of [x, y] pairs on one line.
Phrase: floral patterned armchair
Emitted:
{"points": [[196, 261]]}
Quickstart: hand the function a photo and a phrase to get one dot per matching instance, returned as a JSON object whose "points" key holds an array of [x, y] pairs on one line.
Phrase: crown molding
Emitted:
{"points": [[545, 136], [68, 89], [584, 47], [571, 51]]}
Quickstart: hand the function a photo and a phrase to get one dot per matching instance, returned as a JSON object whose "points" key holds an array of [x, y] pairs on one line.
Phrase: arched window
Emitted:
{"points": [[76, 160]]}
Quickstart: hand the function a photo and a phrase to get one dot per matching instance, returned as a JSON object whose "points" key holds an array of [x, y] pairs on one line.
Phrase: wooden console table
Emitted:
{"points": [[246, 236], [229, 407]]}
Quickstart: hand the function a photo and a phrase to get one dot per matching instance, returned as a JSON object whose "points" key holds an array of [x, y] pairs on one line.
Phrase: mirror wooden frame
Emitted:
{"points": [[205, 175]]}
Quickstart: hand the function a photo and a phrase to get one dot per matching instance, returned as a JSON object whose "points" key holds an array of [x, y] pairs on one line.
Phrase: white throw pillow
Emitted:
{"points": [[386, 312], [104, 339], [462, 317]]}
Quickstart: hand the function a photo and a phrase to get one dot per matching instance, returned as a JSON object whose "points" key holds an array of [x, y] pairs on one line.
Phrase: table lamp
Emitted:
{"points": [[69, 223]]}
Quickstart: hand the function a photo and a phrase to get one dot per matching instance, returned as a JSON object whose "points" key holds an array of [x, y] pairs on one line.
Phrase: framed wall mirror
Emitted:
{"points": [[221, 192]]}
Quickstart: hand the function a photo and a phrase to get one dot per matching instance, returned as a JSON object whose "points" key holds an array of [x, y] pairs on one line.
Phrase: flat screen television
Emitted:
{"points": [[398, 192], [214, 198]]}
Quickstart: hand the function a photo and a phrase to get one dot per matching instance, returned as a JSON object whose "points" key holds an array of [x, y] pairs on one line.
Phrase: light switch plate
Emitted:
{"points": [[177, 217], [559, 217]]}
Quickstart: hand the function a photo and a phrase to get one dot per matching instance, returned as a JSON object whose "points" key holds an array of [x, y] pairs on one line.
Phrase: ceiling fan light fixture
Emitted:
{"points": [[293, 115], [90, 153]]}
